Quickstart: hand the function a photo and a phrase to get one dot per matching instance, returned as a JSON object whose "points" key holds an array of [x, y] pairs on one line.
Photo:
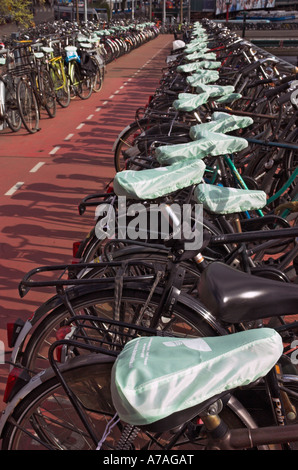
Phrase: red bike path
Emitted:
{"points": [[45, 175]]}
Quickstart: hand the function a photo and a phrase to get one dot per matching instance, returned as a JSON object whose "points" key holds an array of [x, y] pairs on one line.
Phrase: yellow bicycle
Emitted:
{"points": [[57, 73]]}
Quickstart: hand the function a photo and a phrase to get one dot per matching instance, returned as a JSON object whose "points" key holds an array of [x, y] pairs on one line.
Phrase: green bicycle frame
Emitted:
{"points": [[238, 177]]}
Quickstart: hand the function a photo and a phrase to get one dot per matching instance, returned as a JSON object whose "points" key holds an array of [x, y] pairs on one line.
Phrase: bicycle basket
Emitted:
{"points": [[88, 67], [22, 61], [19, 71]]}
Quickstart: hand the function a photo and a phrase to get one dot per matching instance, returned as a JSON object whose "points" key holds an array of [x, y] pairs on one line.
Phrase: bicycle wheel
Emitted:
{"points": [[28, 106], [184, 321], [48, 92], [99, 76], [126, 140], [85, 87], [63, 95], [46, 420], [81, 86], [12, 115], [61, 86]]}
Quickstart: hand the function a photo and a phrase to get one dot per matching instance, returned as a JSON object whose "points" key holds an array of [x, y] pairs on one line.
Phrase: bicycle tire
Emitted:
{"points": [[28, 106], [12, 115], [185, 318], [48, 92], [70, 73], [13, 119], [84, 85], [126, 140], [63, 95], [99, 76], [108, 52], [37, 424], [61, 86]]}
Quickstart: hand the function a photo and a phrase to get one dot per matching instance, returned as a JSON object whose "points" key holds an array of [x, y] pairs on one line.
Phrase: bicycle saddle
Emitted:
{"points": [[160, 381], [158, 182], [225, 200], [202, 76], [189, 102], [234, 296], [220, 122], [212, 144], [200, 55], [198, 66]]}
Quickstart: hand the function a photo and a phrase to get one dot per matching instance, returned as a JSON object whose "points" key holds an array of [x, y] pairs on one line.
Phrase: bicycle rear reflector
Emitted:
{"points": [[17, 379], [60, 335], [13, 331], [75, 248]]}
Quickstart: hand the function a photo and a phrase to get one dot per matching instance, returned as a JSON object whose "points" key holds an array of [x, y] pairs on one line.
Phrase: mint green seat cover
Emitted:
{"points": [[189, 102], [220, 122], [158, 182], [200, 55], [188, 68], [209, 64], [47, 50], [197, 66], [202, 76], [215, 90], [197, 45], [212, 144], [154, 377], [201, 47], [229, 98], [222, 200], [39, 55]]}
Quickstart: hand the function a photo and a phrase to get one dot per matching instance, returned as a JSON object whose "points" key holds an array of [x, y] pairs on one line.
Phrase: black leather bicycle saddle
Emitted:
{"points": [[234, 296]]}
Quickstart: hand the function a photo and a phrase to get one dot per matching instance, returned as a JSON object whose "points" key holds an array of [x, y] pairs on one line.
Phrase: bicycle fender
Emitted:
{"points": [[43, 376], [119, 136], [40, 313], [34, 382], [45, 308], [19, 341]]}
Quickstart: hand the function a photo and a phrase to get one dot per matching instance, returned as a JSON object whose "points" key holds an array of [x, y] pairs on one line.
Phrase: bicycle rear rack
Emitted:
{"points": [[70, 271]]}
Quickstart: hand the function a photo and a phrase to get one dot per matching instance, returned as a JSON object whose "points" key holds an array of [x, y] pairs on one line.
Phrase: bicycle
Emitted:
{"points": [[81, 84], [56, 69], [35, 89], [91, 48], [91, 407], [9, 113]]}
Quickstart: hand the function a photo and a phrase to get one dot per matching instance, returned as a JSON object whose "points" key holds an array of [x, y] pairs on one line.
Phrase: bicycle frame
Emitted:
{"points": [[58, 65]]}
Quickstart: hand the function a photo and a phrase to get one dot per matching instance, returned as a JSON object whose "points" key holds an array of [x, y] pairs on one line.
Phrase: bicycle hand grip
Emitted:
{"points": [[285, 98]]}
